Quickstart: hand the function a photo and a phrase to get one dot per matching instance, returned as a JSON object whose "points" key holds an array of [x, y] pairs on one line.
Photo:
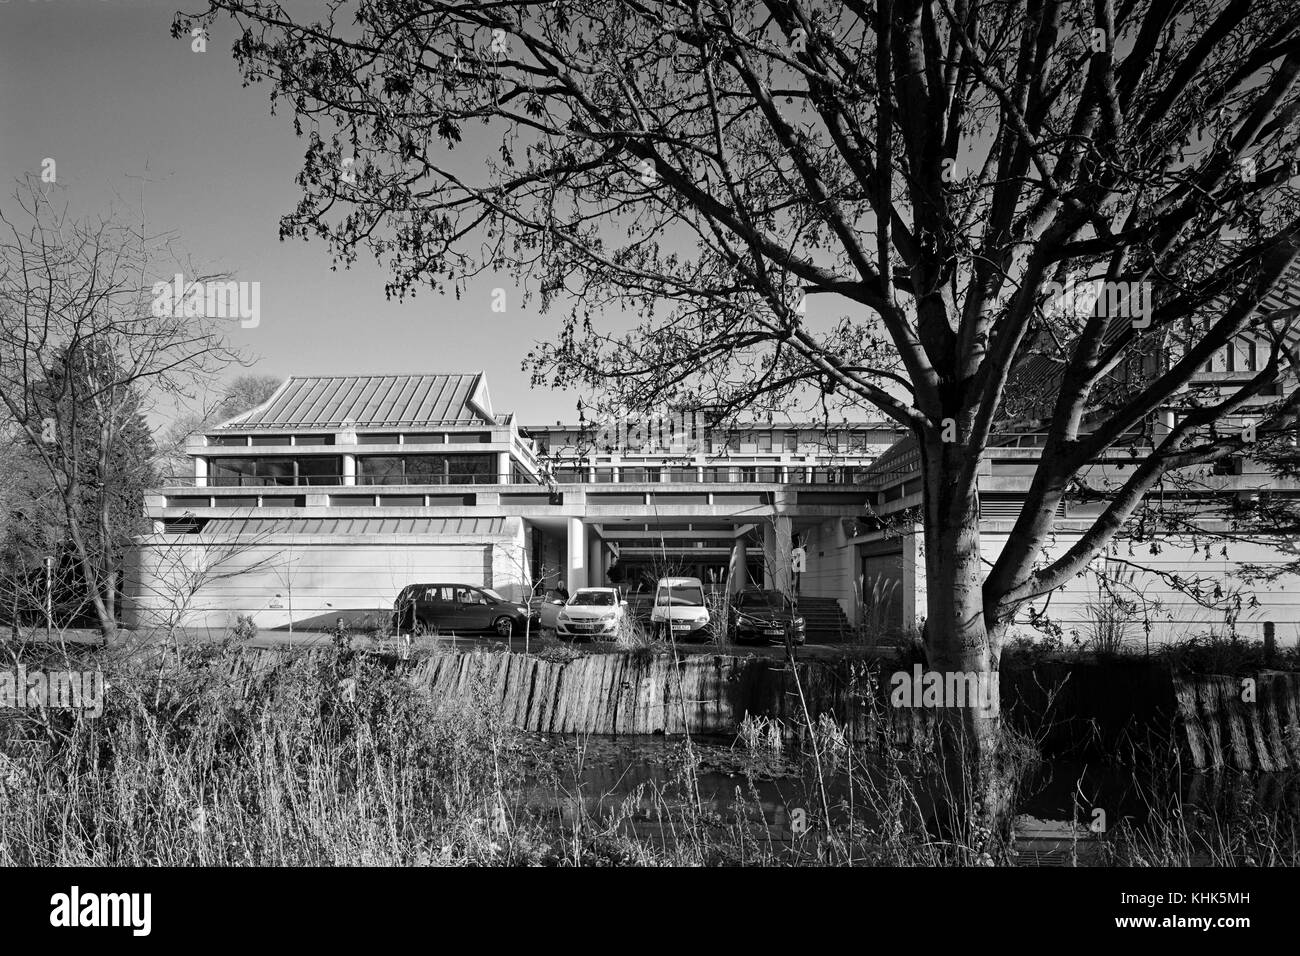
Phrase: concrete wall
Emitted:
{"points": [[191, 581], [831, 565], [1173, 615]]}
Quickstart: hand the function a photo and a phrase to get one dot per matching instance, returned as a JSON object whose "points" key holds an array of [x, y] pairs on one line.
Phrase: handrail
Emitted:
{"points": [[851, 476]]}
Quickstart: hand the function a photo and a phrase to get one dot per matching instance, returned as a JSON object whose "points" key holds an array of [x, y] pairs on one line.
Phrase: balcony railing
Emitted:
{"points": [[849, 475]]}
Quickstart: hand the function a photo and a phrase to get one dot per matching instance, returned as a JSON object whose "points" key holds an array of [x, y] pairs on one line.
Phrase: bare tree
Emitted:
{"points": [[926, 168], [82, 349]]}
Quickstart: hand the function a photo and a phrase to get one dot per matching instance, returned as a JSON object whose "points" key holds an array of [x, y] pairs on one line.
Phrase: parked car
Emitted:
{"points": [[546, 607], [591, 613], [679, 604], [762, 616], [431, 608]]}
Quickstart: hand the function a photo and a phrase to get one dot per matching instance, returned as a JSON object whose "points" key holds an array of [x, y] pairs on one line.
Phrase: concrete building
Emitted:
{"points": [[338, 491]]}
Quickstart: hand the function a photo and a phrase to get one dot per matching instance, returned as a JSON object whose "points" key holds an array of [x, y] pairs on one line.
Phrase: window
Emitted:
{"points": [[764, 441], [592, 599], [791, 441], [681, 595], [252, 472], [323, 470], [426, 469]]}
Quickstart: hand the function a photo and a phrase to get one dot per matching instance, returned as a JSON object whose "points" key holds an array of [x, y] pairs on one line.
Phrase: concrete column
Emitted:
{"points": [[776, 555], [349, 469], [739, 567], [576, 576], [503, 468], [200, 472], [595, 563]]}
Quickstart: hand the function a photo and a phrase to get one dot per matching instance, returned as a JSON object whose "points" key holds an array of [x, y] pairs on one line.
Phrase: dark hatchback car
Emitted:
{"points": [[763, 616], [431, 608]]}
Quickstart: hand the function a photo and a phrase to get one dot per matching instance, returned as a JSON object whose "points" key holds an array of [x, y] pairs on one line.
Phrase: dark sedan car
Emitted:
{"points": [[432, 608], [763, 616]]}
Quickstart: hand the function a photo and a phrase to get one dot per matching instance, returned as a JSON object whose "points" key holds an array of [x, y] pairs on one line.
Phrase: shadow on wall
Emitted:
{"points": [[355, 619]]}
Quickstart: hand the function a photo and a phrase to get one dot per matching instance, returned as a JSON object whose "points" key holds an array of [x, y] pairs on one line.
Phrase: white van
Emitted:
{"points": [[679, 602]]}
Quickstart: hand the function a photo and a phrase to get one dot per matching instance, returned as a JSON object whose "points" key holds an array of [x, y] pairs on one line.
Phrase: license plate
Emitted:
{"points": [[774, 630], [681, 627]]}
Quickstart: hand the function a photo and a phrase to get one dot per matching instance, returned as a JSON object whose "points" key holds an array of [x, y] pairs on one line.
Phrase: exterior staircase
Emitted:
{"points": [[827, 622]]}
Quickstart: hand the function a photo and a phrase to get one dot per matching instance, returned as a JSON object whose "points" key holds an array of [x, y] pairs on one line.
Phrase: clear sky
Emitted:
{"points": [[131, 115]]}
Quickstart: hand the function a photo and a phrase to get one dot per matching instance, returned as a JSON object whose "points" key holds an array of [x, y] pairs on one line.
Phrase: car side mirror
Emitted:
{"points": [[622, 604], [558, 603]]}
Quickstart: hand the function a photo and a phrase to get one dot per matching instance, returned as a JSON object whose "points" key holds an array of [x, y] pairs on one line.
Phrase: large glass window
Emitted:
{"points": [[274, 471], [325, 470], [426, 469]]}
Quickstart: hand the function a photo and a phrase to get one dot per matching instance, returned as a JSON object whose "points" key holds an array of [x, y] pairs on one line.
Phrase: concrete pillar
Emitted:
{"points": [[576, 576], [739, 567], [349, 469], [503, 467], [200, 472], [595, 563], [776, 555]]}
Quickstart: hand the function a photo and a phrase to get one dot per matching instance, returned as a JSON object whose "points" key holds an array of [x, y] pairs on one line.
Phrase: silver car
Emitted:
{"points": [[591, 614]]}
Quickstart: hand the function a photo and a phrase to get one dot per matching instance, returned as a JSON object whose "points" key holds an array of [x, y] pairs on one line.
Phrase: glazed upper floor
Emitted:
{"points": [[442, 430]]}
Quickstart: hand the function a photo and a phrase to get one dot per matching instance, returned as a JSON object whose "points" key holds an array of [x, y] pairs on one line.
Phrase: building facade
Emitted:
{"points": [[330, 497]]}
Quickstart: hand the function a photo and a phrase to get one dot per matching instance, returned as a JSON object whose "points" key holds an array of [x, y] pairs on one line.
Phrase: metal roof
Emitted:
{"points": [[354, 526], [333, 401]]}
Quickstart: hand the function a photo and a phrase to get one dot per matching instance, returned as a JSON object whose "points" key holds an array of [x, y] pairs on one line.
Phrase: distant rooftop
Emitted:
{"points": [[372, 401]]}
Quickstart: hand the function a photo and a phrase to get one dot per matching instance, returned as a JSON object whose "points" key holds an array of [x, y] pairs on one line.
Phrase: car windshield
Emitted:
{"points": [[690, 595], [593, 598], [493, 594], [765, 601]]}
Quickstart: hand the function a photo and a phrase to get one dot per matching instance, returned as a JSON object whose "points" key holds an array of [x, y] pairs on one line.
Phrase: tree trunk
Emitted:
{"points": [[964, 650]]}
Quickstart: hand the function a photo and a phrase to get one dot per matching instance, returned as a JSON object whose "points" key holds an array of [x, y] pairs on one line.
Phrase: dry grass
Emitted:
{"points": [[225, 756]]}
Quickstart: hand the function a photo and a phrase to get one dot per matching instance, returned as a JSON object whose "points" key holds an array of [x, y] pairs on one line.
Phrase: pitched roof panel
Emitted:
{"points": [[368, 401]]}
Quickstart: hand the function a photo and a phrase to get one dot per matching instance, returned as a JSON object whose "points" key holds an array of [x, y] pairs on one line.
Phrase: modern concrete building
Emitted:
{"points": [[338, 491]]}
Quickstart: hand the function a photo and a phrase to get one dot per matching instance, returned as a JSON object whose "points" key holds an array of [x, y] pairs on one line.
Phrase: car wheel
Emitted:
{"points": [[504, 626]]}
